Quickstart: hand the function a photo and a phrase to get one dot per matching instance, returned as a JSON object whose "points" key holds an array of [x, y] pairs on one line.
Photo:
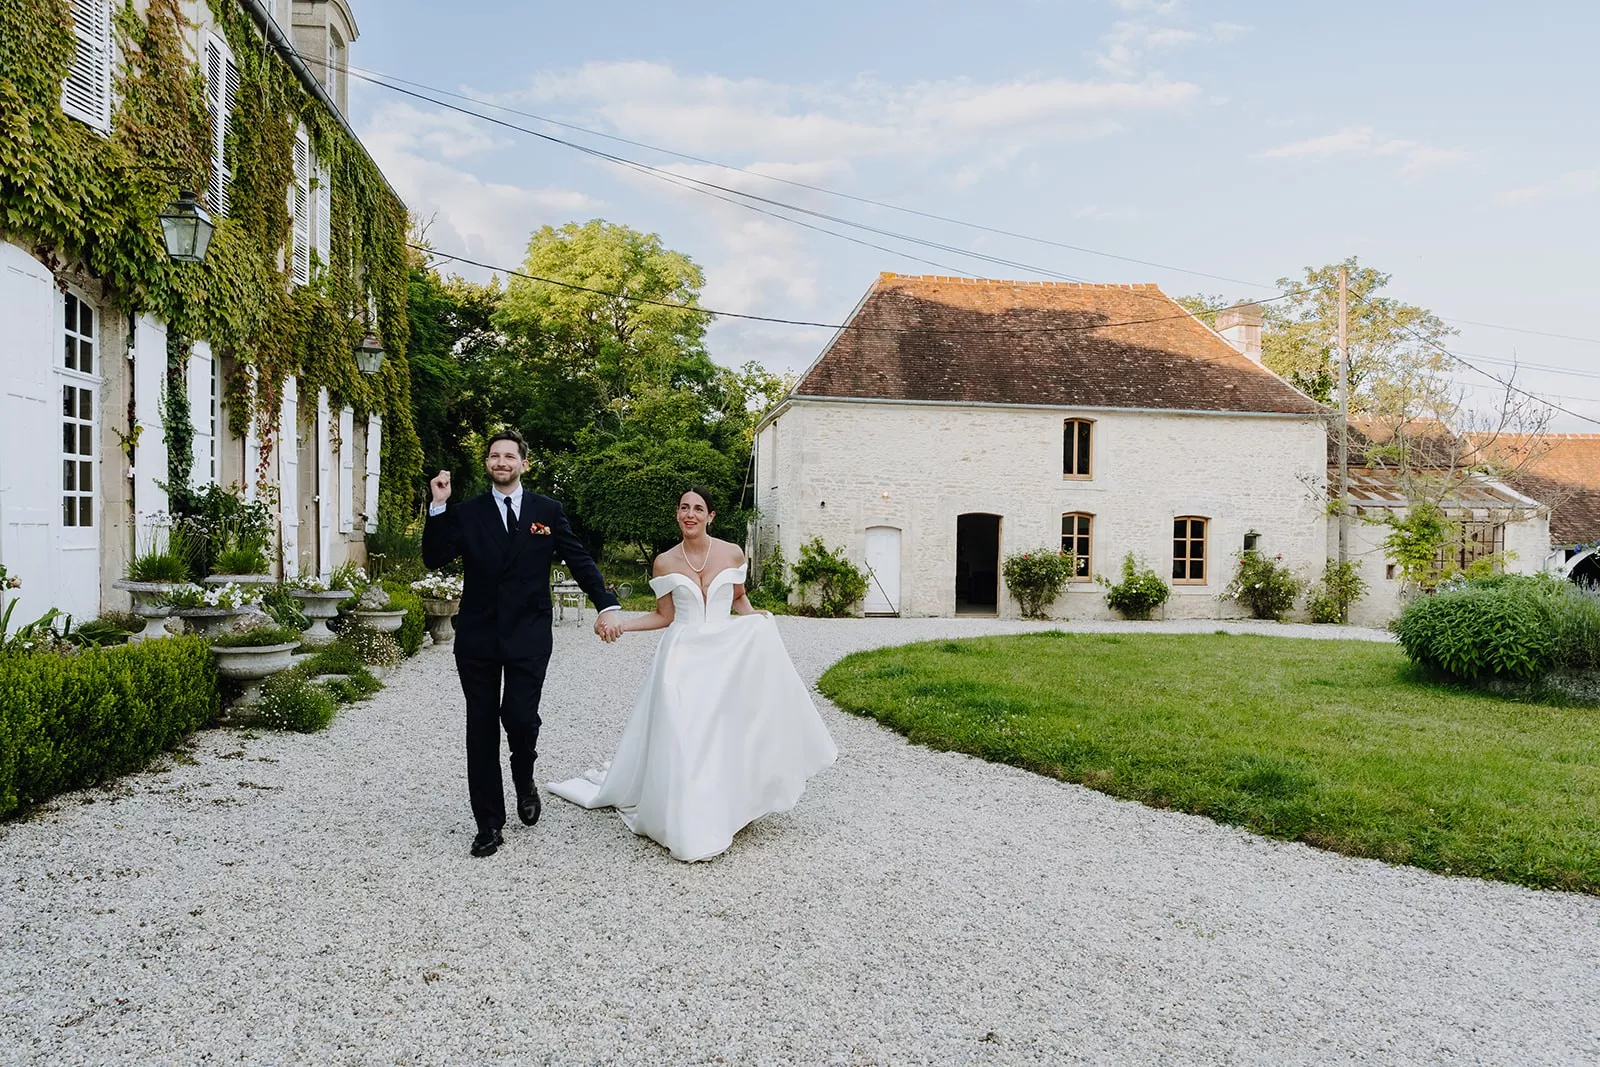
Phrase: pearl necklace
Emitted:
{"points": [[686, 559]]}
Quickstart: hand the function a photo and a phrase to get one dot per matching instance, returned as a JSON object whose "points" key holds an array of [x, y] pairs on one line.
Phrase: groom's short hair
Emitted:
{"points": [[508, 435]]}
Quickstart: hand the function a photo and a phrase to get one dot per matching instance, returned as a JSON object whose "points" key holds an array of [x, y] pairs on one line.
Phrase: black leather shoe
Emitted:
{"points": [[528, 806], [487, 843]]}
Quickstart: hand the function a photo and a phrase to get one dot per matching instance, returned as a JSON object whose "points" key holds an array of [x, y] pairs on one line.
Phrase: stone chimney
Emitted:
{"points": [[1240, 326]]}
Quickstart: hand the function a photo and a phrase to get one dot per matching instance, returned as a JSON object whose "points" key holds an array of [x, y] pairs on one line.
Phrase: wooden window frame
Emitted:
{"points": [[1204, 541], [1085, 562], [1069, 439]]}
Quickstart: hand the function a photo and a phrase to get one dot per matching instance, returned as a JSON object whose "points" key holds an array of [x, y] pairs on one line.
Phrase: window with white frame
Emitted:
{"points": [[222, 90], [78, 402], [86, 91]]}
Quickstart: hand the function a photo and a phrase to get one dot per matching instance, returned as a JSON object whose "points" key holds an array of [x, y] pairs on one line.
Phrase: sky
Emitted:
{"points": [[1451, 144]]}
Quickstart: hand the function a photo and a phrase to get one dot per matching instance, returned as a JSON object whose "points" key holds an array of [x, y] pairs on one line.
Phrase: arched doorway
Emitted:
{"points": [[1585, 571], [977, 564]]}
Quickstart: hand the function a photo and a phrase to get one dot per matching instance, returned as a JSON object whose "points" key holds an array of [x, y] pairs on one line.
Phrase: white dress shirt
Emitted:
{"points": [[516, 507]]}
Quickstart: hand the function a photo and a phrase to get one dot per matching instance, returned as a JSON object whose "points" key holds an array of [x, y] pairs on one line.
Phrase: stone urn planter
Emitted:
{"points": [[319, 606], [439, 613], [241, 579], [385, 622], [148, 605], [211, 622], [252, 665]]}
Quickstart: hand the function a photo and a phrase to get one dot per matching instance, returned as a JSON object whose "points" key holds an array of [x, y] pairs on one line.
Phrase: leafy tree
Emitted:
{"points": [[628, 491]]}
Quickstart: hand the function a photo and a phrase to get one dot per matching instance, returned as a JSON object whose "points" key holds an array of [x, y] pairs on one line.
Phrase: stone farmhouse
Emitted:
{"points": [[1564, 469], [955, 421], [271, 345]]}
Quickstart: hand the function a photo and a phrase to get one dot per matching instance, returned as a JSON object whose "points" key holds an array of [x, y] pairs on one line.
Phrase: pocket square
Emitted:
{"points": [[540, 529]]}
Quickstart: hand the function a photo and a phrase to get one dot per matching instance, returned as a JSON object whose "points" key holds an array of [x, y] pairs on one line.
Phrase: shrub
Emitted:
{"points": [[1263, 587], [372, 646], [415, 626], [840, 584], [1340, 587], [395, 551], [1139, 593], [342, 658], [258, 637], [1477, 631], [1035, 578], [241, 559], [213, 520], [1576, 621], [289, 701], [68, 721]]}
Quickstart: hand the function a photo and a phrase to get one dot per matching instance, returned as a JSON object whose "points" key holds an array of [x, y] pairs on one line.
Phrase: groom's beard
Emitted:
{"points": [[504, 482]]}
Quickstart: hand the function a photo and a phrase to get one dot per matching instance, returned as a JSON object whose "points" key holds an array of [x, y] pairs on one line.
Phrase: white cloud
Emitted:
{"points": [[1572, 184], [868, 119], [484, 220], [1364, 142]]}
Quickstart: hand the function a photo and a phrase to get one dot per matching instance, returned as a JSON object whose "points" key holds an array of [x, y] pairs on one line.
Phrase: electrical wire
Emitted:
{"points": [[808, 322]]}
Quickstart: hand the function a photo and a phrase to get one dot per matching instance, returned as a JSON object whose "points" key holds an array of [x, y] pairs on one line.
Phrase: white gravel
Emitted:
{"points": [[300, 900]]}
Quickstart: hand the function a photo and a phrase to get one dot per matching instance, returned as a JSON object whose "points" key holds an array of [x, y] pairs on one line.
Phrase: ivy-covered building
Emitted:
{"points": [[276, 364]]}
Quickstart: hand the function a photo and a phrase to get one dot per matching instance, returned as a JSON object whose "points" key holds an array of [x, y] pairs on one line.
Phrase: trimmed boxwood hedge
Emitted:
{"points": [[71, 720]]}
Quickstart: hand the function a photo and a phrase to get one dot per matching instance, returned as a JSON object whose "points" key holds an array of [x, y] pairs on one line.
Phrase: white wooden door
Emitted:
{"points": [[883, 571], [326, 500], [28, 306], [289, 479]]}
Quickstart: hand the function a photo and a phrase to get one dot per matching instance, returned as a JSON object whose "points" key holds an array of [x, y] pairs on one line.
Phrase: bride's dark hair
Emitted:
{"points": [[702, 492]]}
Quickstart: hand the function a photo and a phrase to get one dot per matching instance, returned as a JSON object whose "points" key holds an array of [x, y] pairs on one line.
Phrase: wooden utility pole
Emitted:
{"points": [[1344, 421]]}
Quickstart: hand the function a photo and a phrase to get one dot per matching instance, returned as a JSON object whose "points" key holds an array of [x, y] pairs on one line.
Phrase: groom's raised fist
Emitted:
{"points": [[441, 487]]}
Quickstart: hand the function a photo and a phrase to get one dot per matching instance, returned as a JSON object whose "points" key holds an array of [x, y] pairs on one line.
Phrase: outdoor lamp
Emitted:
{"points": [[369, 354], [186, 228]]}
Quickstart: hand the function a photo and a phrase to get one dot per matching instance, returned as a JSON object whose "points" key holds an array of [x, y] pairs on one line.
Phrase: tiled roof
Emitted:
{"points": [[1053, 343], [1563, 470]]}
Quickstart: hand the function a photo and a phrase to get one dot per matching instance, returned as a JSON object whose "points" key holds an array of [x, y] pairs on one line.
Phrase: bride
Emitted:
{"points": [[724, 731]]}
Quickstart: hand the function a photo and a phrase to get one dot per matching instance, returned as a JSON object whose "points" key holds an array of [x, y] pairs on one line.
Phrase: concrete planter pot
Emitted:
{"points": [[147, 604], [319, 607], [385, 622], [241, 579], [211, 622], [439, 613], [252, 664]]}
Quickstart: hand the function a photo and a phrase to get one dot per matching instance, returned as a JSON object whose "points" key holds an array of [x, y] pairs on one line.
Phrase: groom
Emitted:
{"points": [[506, 539]]}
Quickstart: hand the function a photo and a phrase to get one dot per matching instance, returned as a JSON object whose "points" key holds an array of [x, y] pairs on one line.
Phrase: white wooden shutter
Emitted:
{"points": [[203, 414], [374, 465], [347, 470], [252, 438], [29, 402], [86, 93], [150, 455], [300, 209], [289, 478], [325, 489], [322, 216], [222, 89]]}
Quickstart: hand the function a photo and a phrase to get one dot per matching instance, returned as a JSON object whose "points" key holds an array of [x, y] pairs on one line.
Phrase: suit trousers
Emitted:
{"points": [[500, 693]]}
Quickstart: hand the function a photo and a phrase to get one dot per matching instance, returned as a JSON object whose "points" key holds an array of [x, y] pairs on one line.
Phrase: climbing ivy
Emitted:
{"points": [[75, 197]]}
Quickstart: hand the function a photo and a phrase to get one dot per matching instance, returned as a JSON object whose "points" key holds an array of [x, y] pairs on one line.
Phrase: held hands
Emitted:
{"points": [[441, 487], [607, 626]]}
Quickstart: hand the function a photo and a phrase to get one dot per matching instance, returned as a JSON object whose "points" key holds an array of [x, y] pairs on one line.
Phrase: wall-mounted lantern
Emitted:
{"points": [[369, 354], [186, 229]]}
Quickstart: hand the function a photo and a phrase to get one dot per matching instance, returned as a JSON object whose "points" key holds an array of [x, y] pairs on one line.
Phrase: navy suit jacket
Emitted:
{"points": [[505, 600]]}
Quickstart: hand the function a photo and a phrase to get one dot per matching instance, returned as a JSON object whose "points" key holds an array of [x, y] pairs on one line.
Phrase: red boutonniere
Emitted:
{"points": [[540, 529]]}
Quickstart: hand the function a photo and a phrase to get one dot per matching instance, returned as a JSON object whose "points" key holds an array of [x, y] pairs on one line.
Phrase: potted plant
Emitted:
{"points": [[441, 601], [376, 611], [150, 576], [254, 655], [318, 604], [211, 609]]}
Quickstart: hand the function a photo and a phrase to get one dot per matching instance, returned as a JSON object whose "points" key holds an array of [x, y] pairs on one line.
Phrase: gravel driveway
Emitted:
{"points": [[308, 900]]}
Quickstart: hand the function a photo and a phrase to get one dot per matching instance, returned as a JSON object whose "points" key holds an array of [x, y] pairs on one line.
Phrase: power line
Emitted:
{"points": [[807, 322], [1524, 329], [374, 76]]}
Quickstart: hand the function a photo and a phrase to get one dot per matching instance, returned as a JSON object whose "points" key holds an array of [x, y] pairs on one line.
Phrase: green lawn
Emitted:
{"points": [[1334, 743]]}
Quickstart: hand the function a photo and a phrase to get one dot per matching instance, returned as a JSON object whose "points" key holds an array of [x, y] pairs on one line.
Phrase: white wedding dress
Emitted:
{"points": [[723, 733]]}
